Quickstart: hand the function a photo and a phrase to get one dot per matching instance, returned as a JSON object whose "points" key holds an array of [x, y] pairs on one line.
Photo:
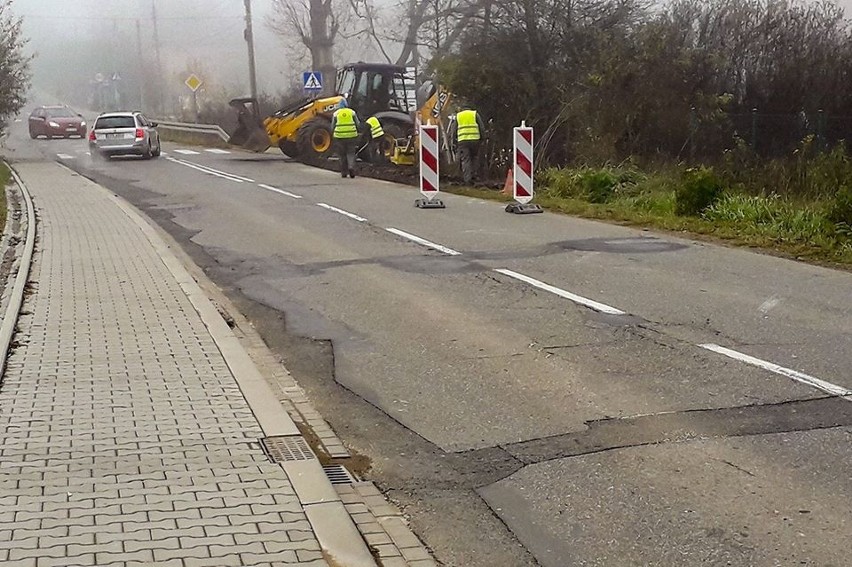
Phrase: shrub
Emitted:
{"points": [[560, 182], [599, 185], [700, 189], [840, 210]]}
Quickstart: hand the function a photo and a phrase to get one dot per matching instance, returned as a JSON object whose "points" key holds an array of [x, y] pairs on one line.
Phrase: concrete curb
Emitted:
{"points": [[332, 525], [16, 300]]}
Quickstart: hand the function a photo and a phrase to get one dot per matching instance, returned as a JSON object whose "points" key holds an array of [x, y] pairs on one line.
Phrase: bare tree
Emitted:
{"points": [[317, 25]]}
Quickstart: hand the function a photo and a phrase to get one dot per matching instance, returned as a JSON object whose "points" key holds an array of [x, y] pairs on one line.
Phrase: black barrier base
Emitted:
{"points": [[429, 204], [519, 209]]}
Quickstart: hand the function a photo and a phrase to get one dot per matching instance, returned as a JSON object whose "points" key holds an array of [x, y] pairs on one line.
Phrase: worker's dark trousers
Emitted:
{"points": [[469, 160], [346, 150]]}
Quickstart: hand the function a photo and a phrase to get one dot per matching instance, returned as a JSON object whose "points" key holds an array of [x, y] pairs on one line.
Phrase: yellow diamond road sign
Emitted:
{"points": [[193, 82]]}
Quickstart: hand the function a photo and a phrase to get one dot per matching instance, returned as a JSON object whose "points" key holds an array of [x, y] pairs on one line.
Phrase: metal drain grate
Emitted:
{"points": [[338, 474], [287, 448]]}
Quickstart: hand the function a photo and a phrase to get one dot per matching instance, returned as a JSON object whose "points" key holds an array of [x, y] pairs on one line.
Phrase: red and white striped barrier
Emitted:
{"points": [[523, 172], [429, 168]]}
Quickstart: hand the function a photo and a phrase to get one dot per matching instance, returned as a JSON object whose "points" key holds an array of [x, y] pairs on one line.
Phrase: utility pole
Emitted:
{"points": [[141, 66], [158, 97], [249, 37]]}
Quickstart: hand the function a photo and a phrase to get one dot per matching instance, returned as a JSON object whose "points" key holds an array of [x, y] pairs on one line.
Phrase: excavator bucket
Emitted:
{"points": [[250, 132]]}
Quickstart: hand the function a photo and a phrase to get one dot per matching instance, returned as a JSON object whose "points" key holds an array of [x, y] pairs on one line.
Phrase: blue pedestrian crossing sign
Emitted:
{"points": [[312, 80]]}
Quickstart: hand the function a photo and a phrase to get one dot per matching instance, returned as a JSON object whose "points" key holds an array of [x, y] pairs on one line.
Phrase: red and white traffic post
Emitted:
{"points": [[429, 168], [523, 172]]}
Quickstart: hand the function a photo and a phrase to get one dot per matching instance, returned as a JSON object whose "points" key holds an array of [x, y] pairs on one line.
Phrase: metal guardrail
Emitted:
{"points": [[213, 129]]}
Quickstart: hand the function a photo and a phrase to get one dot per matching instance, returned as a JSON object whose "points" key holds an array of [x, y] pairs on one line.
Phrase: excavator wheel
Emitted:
{"points": [[288, 148], [314, 141]]}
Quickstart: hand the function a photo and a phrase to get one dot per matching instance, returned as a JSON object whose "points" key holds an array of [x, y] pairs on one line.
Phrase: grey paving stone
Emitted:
{"points": [[137, 437]]}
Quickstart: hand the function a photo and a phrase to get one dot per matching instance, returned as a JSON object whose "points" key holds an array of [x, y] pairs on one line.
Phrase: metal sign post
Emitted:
{"points": [[194, 83], [429, 169], [523, 173]]}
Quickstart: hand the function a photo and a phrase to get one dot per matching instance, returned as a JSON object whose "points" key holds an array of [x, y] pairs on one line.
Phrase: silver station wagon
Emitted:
{"points": [[124, 133]]}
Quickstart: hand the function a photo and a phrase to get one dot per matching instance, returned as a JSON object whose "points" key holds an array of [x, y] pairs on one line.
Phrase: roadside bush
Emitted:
{"points": [[700, 189], [599, 185], [596, 185], [559, 182], [840, 210]]}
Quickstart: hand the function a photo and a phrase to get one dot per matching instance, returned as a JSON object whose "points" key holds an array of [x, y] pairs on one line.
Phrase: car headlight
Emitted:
{"points": [[53, 124]]}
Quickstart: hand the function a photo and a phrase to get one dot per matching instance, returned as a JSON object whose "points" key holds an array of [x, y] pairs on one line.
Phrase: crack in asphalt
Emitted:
{"points": [[610, 434]]}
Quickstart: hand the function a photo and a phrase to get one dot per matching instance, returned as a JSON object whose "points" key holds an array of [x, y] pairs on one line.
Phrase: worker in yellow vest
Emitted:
{"points": [[374, 134], [469, 130], [345, 128]]}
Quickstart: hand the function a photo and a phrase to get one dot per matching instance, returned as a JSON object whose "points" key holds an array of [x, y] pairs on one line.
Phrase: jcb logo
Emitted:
{"points": [[330, 108], [439, 106]]}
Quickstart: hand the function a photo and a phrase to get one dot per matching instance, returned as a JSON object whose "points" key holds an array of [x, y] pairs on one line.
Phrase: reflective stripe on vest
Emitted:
{"points": [[375, 127], [468, 128], [345, 128]]}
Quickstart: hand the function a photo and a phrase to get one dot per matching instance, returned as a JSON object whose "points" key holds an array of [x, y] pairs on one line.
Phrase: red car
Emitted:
{"points": [[56, 121]]}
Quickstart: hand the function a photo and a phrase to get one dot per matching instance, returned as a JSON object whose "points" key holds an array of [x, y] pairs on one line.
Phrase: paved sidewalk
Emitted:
{"points": [[124, 437]]}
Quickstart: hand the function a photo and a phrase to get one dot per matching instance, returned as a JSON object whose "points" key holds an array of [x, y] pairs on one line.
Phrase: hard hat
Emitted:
{"points": [[342, 103]]}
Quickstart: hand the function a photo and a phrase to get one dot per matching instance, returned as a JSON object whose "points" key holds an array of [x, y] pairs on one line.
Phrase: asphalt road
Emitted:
{"points": [[694, 414]]}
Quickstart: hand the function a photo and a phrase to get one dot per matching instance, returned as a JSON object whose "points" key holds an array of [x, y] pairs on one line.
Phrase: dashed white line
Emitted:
{"points": [[806, 379], [234, 175], [216, 151], [277, 190], [423, 242], [590, 303], [187, 152], [64, 156], [214, 171], [342, 212], [203, 170]]}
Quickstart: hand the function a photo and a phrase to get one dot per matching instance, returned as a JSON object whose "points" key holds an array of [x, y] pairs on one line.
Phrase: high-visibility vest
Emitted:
{"points": [[468, 127], [375, 127], [344, 127]]}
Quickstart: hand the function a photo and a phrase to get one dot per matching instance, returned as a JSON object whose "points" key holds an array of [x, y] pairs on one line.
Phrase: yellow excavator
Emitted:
{"points": [[303, 130]]}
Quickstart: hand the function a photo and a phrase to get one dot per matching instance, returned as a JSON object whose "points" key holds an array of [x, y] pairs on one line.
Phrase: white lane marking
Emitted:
{"points": [[423, 242], [240, 177], [220, 172], [202, 170], [216, 151], [64, 156], [806, 379], [162, 153], [769, 304], [342, 212], [277, 190], [187, 152], [591, 304]]}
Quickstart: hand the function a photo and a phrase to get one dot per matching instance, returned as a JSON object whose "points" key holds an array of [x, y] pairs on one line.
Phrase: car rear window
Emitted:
{"points": [[115, 122]]}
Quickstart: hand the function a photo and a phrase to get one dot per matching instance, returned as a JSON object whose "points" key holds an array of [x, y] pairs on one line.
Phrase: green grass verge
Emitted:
{"points": [[801, 229], [5, 177]]}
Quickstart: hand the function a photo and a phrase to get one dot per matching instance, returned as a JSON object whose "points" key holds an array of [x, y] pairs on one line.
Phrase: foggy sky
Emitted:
{"points": [[210, 31]]}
